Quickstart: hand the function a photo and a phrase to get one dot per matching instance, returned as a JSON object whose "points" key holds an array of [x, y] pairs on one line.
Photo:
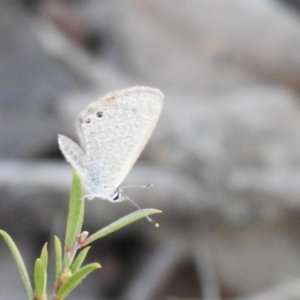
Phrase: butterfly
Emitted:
{"points": [[113, 131]]}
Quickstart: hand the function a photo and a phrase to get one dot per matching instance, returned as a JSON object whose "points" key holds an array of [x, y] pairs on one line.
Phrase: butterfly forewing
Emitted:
{"points": [[115, 129]]}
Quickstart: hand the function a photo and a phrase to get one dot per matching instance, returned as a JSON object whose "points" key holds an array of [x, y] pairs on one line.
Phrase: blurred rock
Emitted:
{"points": [[30, 83], [201, 45], [211, 51], [39, 67], [256, 257]]}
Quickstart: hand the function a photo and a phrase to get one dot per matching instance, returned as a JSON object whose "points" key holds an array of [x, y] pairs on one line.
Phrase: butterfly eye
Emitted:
{"points": [[87, 121], [116, 196], [99, 114]]}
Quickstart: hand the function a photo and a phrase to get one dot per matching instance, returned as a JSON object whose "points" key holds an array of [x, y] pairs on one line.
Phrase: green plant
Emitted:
{"points": [[69, 269]]}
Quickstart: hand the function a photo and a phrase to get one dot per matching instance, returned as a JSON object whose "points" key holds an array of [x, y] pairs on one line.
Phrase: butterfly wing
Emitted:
{"points": [[115, 129], [72, 152]]}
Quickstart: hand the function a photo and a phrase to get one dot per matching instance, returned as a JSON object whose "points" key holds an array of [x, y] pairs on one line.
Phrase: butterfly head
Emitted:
{"points": [[118, 196], [114, 196]]}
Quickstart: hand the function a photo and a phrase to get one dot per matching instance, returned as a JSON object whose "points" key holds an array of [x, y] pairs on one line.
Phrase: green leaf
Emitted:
{"points": [[134, 216], [44, 256], [79, 259], [58, 258], [20, 263], [75, 279], [76, 212], [40, 278]]}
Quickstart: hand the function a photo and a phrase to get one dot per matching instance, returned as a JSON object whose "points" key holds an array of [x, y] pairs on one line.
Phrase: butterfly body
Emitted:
{"points": [[113, 131]]}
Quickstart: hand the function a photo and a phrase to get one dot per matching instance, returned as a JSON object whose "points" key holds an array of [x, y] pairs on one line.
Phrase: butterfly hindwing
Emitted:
{"points": [[72, 152]]}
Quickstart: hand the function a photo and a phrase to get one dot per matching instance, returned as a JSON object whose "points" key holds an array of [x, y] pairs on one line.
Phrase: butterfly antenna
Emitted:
{"points": [[138, 186], [147, 217]]}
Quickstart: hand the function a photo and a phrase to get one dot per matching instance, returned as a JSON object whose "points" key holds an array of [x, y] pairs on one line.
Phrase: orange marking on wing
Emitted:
{"points": [[110, 100]]}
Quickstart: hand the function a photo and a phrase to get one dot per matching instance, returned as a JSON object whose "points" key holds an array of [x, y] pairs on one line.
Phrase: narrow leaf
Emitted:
{"points": [[20, 263], [44, 256], [40, 278], [79, 259], [76, 212], [132, 217], [58, 258], [75, 279]]}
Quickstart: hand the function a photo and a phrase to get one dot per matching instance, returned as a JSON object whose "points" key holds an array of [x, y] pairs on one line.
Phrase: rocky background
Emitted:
{"points": [[224, 158]]}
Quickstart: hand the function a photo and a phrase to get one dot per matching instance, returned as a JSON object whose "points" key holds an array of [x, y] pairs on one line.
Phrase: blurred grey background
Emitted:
{"points": [[224, 158]]}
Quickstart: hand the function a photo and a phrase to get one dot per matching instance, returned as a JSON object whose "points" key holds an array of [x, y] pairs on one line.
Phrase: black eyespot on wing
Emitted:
{"points": [[99, 114], [87, 121]]}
